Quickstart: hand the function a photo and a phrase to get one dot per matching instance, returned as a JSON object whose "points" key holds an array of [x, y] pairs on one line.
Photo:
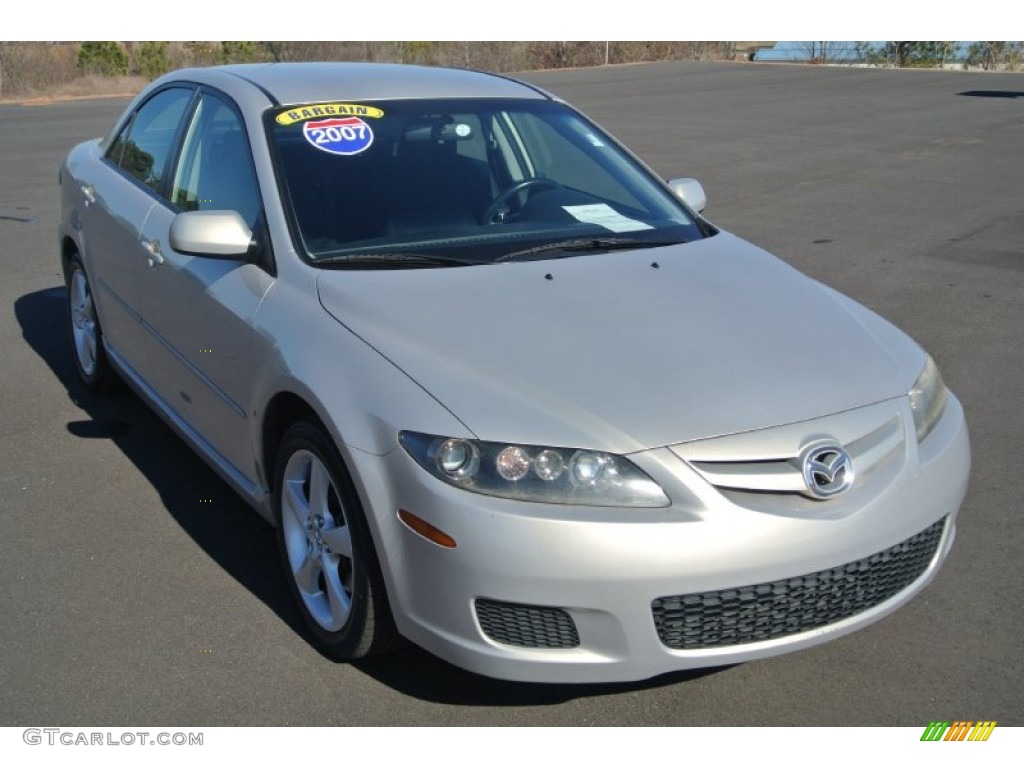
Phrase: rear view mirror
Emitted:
{"points": [[690, 192], [216, 234], [438, 131]]}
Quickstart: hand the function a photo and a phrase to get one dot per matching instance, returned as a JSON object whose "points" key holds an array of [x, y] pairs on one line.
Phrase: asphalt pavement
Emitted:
{"points": [[136, 589]]}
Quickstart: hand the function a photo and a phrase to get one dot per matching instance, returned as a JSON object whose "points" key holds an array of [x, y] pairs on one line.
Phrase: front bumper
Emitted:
{"points": [[610, 571]]}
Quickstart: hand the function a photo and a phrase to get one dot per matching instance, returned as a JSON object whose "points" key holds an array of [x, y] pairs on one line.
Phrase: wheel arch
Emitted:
{"points": [[283, 409], [68, 249]]}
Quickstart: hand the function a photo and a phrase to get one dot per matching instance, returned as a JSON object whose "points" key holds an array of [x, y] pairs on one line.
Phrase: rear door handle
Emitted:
{"points": [[155, 256]]}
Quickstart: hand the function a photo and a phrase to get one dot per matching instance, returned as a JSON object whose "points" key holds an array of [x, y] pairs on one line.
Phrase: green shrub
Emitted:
{"points": [[152, 58], [239, 51], [102, 58]]}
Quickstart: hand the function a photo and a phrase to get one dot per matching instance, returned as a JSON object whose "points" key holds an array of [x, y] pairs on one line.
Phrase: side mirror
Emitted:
{"points": [[690, 192], [215, 234]]}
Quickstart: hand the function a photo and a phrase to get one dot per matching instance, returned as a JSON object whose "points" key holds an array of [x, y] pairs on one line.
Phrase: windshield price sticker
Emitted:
{"points": [[315, 111], [605, 216], [339, 136]]}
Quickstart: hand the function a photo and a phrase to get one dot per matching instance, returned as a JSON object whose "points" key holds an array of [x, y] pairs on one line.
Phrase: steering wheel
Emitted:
{"points": [[511, 191]]}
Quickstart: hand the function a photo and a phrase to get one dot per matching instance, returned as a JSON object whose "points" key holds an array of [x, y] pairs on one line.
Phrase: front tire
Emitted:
{"points": [[84, 330], [326, 548]]}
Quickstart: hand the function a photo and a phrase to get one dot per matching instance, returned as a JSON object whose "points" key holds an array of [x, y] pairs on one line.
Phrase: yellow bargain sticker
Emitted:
{"points": [[298, 114]]}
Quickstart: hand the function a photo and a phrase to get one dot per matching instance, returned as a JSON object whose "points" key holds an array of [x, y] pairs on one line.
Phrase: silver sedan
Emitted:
{"points": [[502, 390]]}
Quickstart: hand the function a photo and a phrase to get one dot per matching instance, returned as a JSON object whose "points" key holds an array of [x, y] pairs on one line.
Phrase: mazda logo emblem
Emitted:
{"points": [[827, 470]]}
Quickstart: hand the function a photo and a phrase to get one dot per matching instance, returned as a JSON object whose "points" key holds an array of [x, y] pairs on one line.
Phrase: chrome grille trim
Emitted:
{"points": [[769, 460]]}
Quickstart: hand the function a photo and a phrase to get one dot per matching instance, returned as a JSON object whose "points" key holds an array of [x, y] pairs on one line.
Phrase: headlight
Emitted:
{"points": [[535, 473], [927, 399]]}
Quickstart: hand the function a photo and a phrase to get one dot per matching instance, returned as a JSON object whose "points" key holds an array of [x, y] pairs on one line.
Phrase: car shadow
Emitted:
{"points": [[417, 673], [994, 94], [224, 526], [239, 541]]}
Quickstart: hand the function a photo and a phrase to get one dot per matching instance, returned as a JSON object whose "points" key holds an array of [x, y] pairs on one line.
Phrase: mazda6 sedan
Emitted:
{"points": [[502, 390]]}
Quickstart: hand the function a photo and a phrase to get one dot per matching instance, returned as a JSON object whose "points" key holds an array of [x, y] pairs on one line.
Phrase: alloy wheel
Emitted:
{"points": [[317, 540], [83, 322]]}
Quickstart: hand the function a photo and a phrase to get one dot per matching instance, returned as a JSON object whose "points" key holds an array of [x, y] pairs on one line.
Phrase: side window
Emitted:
{"points": [[215, 170], [142, 148]]}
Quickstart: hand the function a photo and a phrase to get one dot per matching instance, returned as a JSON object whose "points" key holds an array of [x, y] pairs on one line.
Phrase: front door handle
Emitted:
{"points": [[155, 256]]}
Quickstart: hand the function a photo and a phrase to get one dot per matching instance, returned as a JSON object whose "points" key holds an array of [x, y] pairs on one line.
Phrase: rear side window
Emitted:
{"points": [[142, 148]]}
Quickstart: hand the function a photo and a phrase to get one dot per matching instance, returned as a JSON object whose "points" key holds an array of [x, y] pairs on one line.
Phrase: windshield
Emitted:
{"points": [[463, 181]]}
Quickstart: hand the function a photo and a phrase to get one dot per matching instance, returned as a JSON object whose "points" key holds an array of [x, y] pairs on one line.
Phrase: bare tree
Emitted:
{"points": [[39, 67], [826, 51], [996, 55]]}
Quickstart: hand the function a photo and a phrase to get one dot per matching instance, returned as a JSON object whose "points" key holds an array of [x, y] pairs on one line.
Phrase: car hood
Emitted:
{"points": [[626, 350]]}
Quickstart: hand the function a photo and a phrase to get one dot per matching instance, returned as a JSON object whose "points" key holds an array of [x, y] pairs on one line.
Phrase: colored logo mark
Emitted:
{"points": [[958, 730], [339, 135]]}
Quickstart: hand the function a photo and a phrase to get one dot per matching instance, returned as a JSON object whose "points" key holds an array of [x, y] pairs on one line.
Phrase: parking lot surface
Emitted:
{"points": [[137, 589]]}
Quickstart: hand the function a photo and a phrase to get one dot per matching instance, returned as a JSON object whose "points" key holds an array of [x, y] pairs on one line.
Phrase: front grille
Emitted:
{"points": [[763, 469], [528, 626], [780, 608]]}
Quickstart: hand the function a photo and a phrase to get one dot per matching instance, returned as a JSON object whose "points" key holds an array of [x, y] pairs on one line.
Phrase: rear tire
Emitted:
{"points": [[84, 331], [326, 548]]}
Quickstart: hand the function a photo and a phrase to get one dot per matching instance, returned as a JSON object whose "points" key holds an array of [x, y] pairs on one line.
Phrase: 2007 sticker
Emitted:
{"points": [[339, 135]]}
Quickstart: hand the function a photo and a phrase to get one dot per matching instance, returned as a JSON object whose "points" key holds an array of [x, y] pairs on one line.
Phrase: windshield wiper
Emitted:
{"points": [[396, 260], [587, 244]]}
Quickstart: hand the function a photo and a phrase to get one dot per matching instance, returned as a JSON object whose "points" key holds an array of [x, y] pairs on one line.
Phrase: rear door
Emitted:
{"points": [[119, 195]]}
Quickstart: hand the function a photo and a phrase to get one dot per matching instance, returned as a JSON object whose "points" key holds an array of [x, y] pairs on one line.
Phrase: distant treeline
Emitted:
{"points": [[94, 67], [37, 68], [986, 55]]}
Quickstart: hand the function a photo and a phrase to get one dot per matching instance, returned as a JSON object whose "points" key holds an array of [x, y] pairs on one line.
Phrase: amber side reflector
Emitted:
{"points": [[426, 530]]}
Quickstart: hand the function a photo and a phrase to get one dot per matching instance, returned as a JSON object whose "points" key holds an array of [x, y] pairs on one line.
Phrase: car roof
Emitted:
{"points": [[295, 83]]}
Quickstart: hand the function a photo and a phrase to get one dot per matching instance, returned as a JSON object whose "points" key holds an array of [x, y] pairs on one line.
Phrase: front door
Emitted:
{"points": [[201, 313]]}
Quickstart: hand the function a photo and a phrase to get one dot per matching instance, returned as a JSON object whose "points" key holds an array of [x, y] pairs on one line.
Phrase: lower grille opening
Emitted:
{"points": [[779, 608], [527, 626]]}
